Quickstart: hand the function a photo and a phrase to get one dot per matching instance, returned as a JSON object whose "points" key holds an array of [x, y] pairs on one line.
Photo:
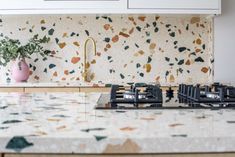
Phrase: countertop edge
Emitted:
{"points": [[126, 146]]}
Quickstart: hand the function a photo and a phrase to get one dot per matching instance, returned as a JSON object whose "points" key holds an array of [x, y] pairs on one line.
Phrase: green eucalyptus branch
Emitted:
{"points": [[11, 49]]}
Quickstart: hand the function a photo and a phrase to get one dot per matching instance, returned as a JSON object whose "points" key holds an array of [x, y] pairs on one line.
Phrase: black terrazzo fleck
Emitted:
{"points": [[18, 143]]}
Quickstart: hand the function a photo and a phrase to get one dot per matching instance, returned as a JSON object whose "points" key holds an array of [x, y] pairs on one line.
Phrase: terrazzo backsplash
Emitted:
{"points": [[130, 48]]}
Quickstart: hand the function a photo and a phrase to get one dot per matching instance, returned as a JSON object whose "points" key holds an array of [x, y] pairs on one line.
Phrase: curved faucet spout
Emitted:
{"points": [[85, 56]]}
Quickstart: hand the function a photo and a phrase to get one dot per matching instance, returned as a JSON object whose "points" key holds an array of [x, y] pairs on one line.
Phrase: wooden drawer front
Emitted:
{"points": [[89, 90], [138, 155], [11, 89], [31, 90], [174, 4]]}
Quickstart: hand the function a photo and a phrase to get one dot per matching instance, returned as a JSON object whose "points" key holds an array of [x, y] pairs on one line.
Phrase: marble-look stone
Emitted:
{"points": [[68, 123]]}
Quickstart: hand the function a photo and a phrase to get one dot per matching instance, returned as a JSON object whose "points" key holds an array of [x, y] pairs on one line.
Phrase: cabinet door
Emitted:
{"points": [[33, 90], [124, 155], [92, 89], [6, 90], [174, 4], [59, 4]]}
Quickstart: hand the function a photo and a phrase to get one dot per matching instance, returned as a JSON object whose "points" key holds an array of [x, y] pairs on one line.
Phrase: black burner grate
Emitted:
{"points": [[214, 93], [135, 94]]}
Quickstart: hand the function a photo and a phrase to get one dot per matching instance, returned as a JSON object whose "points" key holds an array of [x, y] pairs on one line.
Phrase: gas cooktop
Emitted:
{"points": [[150, 96]]}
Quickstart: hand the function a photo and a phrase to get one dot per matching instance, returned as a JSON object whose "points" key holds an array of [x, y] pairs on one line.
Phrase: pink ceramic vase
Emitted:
{"points": [[20, 70]]}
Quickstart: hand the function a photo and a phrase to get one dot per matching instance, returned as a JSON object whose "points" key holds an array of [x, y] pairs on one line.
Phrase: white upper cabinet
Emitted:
{"points": [[61, 6], [177, 6], [110, 6]]}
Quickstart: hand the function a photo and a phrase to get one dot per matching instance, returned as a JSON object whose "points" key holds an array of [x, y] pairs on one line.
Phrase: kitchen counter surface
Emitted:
{"points": [[68, 123], [51, 84]]}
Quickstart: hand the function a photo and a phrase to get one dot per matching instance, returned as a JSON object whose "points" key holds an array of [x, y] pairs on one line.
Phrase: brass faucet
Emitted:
{"points": [[85, 74]]}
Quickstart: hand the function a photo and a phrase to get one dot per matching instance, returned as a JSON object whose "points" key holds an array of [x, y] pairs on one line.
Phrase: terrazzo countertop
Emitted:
{"points": [[68, 123], [51, 84]]}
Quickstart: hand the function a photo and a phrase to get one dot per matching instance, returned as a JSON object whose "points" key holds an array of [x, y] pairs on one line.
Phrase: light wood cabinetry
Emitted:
{"points": [[160, 155], [94, 89], [11, 89], [67, 89], [64, 89], [53, 89]]}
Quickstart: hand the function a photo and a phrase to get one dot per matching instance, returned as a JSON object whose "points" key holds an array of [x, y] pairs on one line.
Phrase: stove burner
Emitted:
{"points": [[214, 93], [150, 96], [136, 94], [131, 95]]}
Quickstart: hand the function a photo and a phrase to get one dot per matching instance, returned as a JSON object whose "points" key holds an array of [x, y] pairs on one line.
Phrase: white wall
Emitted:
{"points": [[225, 43]]}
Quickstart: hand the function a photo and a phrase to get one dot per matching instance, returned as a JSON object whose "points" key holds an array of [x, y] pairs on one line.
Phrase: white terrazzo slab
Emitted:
{"points": [[68, 123]]}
